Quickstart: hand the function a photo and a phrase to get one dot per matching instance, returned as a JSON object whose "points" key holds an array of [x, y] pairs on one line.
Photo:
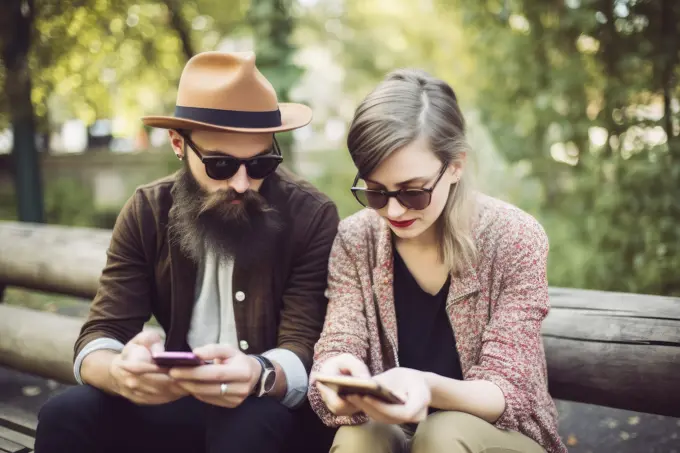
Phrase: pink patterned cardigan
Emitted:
{"points": [[496, 309]]}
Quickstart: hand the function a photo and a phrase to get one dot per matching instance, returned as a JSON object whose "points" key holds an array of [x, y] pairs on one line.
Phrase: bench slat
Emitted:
{"points": [[7, 446]]}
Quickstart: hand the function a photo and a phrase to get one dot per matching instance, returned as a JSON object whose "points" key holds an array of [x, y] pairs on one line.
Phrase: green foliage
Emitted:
{"points": [[335, 179], [583, 92], [369, 38], [67, 204], [92, 59], [579, 97]]}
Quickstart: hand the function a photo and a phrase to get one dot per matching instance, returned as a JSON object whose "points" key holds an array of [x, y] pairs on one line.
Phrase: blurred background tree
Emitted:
{"points": [[16, 36], [272, 26]]}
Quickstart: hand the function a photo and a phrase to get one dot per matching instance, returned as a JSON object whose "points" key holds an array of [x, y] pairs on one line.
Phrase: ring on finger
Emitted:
{"points": [[223, 388]]}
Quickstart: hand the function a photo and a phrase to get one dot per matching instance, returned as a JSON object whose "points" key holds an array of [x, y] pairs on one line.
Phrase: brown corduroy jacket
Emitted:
{"points": [[284, 304]]}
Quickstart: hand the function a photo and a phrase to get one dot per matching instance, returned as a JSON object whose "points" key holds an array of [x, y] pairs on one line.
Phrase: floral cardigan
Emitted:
{"points": [[496, 308]]}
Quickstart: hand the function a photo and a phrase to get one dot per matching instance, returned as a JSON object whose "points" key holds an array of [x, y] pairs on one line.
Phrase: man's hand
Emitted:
{"points": [[136, 377], [230, 366], [340, 365], [411, 384]]}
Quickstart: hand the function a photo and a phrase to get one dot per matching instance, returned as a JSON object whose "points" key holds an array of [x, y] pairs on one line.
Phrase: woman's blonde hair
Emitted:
{"points": [[407, 105]]}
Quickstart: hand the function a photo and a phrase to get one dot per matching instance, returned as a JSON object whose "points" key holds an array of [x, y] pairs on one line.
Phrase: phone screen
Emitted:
{"points": [[172, 359], [347, 385], [380, 394]]}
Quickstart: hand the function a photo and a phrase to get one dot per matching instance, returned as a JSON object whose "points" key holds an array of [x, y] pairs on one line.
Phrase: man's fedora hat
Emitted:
{"points": [[226, 92]]}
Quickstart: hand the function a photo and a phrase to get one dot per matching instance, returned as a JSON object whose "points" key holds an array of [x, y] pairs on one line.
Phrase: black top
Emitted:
{"points": [[425, 335]]}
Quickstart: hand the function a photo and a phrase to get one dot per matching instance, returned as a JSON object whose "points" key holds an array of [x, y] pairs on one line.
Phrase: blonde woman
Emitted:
{"points": [[435, 290]]}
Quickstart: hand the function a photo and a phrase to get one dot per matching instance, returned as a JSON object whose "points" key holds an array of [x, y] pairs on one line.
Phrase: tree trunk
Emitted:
{"points": [[180, 25], [669, 46], [273, 27], [16, 26]]}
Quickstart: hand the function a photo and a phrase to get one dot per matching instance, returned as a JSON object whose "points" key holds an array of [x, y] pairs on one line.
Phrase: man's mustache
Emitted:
{"points": [[221, 204], [222, 198]]}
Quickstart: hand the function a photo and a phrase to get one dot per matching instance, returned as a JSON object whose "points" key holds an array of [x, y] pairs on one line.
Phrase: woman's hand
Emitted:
{"points": [[340, 365], [409, 384]]}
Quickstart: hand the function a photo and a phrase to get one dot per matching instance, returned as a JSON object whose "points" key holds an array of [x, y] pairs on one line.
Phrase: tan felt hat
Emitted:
{"points": [[225, 91]]}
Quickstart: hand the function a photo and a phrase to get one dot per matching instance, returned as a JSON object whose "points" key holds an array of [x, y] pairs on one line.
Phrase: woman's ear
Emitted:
{"points": [[457, 167]]}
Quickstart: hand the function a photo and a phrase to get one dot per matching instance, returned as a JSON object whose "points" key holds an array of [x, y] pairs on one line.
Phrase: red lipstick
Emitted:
{"points": [[403, 224]]}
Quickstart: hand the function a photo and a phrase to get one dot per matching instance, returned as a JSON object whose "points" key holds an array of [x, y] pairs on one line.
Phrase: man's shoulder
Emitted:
{"points": [[152, 201], [157, 189]]}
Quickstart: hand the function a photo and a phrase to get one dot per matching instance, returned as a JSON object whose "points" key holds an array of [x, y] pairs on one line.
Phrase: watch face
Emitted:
{"points": [[269, 381]]}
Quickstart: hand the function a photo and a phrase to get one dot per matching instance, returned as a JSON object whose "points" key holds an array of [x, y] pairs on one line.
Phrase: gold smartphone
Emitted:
{"points": [[349, 385]]}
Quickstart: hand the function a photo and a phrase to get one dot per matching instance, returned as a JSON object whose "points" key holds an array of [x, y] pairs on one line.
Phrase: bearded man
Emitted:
{"points": [[230, 256]]}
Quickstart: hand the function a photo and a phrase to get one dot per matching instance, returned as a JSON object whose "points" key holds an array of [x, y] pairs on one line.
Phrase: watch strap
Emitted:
{"points": [[267, 368]]}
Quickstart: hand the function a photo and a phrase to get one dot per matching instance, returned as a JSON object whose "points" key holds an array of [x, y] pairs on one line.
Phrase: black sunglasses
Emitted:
{"points": [[416, 199], [224, 167]]}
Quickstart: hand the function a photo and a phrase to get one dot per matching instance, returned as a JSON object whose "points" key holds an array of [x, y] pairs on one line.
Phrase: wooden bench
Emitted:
{"points": [[17, 432], [609, 349]]}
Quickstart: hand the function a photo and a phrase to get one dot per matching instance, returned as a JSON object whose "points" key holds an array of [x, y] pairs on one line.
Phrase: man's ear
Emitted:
{"points": [[177, 143]]}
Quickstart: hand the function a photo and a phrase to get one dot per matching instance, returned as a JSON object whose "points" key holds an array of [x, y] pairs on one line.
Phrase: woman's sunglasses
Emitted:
{"points": [[224, 167], [416, 199]]}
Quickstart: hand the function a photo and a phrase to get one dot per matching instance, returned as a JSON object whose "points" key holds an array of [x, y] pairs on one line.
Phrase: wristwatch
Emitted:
{"points": [[267, 379]]}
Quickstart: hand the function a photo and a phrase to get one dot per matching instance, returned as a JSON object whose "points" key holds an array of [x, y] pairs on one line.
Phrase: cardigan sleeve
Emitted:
{"points": [[344, 330], [512, 355]]}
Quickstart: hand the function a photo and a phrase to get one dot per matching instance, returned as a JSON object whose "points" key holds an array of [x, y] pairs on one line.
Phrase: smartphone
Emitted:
{"points": [[349, 385], [168, 359]]}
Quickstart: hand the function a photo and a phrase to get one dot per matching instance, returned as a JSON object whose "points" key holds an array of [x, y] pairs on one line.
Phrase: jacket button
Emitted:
{"points": [[240, 296], [243, 344]]}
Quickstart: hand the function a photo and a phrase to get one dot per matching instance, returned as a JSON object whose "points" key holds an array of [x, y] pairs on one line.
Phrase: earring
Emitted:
{"points": [[179, 156]]}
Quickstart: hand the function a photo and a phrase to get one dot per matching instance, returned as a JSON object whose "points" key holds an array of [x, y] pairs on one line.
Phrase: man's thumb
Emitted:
{"points": [[149, 339], [216, 351]]}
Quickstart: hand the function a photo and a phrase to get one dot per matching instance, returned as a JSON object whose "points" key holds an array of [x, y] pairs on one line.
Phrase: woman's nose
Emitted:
{"points": [[395, 209]]}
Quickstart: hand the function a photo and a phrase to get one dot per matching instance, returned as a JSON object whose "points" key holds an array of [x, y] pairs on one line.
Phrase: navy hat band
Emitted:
{"points": [[230, 118]]}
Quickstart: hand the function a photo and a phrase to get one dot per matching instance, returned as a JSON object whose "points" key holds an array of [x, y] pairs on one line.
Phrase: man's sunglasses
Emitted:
{"points": [[416, 199], [224, 167]]}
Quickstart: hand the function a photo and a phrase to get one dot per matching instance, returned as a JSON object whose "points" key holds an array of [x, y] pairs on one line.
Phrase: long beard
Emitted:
{"points": [[202, 222]]}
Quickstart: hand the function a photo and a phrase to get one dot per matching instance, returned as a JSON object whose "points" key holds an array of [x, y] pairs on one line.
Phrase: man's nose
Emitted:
{"points": [[240, 181]]}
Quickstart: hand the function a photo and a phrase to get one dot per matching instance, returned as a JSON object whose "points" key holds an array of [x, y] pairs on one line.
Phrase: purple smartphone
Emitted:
{"points": [[170, 359]]}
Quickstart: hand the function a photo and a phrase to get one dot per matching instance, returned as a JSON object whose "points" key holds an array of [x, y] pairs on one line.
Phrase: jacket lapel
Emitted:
{"points": [[383, 290], [462, 312], [462, 286]]}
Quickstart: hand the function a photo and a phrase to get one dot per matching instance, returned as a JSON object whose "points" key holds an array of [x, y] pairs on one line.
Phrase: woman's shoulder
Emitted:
{"points": [[499, 221], [361, 228]]}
